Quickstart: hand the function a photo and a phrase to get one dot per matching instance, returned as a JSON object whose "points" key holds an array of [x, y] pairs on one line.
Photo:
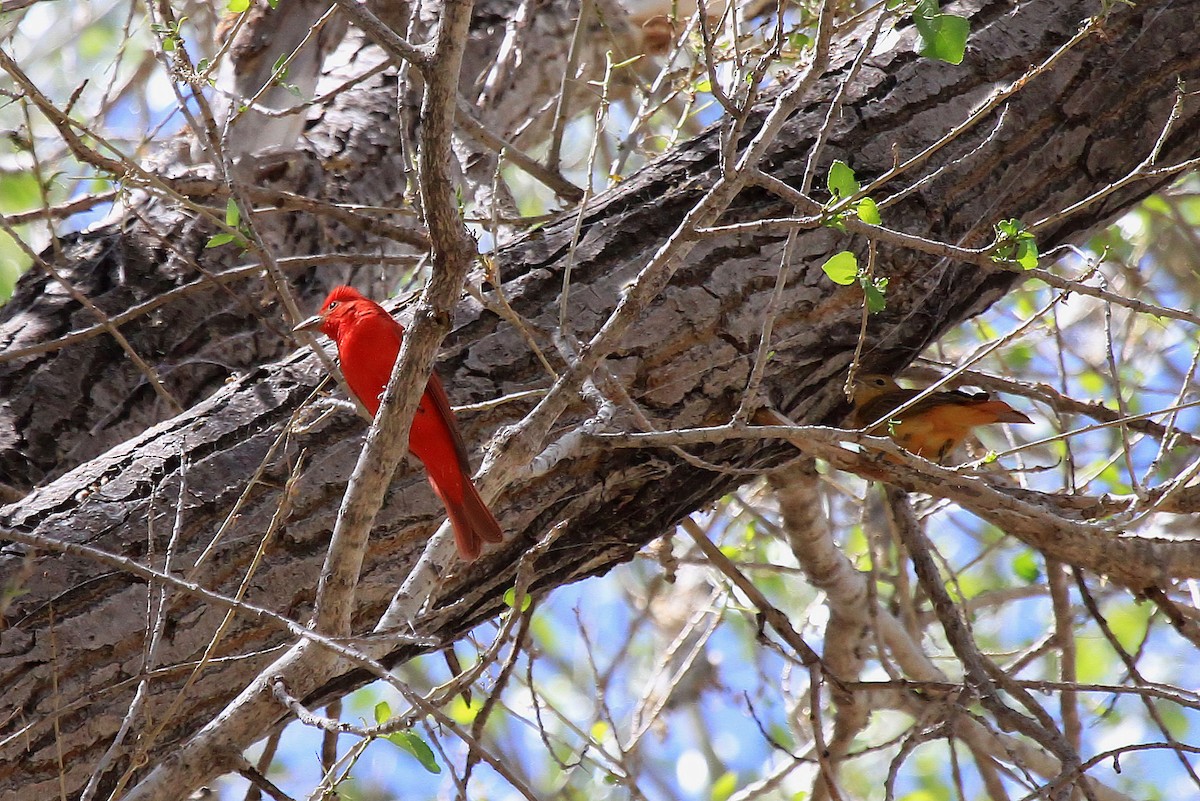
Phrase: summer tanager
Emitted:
{"points": [[368, 343], [935, 425]]}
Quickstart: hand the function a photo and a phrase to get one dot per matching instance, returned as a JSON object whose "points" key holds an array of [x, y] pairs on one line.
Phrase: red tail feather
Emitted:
{"points": [[472, 520]]}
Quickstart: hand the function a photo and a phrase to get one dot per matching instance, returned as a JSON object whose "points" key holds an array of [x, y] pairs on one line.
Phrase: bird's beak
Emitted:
{"points": [[311, 324]]}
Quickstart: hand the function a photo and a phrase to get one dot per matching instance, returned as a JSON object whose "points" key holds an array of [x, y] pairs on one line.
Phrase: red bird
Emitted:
{"points": [[368, 343]]}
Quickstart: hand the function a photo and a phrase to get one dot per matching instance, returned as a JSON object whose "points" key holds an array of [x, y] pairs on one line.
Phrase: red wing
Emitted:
{"points": [[441, 402]]}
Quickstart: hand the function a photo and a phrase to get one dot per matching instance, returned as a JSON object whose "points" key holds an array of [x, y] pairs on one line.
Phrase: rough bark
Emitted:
{"points": [[76, 635], [63, 407]]}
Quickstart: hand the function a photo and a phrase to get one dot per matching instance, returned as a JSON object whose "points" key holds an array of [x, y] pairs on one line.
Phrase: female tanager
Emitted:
{"points": [[933, 426], [368, 343]]}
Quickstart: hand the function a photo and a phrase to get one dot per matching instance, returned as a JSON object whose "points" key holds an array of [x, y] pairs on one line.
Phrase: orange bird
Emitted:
{"points": [[933, 426], [368, 343]]}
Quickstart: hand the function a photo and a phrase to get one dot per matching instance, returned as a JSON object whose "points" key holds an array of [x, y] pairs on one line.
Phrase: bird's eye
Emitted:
{"points": [[333, 305]]}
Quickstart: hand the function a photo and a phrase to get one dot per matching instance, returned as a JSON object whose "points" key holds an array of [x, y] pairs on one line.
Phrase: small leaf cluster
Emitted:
{"points": [[233, 219], [1016, 244], [172, 39], [843, 185], [943, 36], [279, 73], [843, 267]]}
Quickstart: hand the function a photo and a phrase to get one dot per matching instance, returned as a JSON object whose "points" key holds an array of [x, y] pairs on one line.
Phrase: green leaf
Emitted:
{"points": [[232, 214], [1158, 205], [1015, 244], [842, 268], [19, 191], [1027, 567], [1176, 720], [868, 211], [724, 786], [783, 735], [1027, 252], [279, 68], [1092, 383], [413, 744], [1128, 622], [13, 262], [875, 292], [216, 240], [1019, 357], [238, 6], [382, 712], [510, 598], [461, 712], [841, 181], [948, 39], [704, 85], [943, 36], [1094, 660]]}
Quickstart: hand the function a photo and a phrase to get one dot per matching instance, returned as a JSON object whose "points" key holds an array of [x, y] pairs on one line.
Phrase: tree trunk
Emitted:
{"points": [[74, 648]]}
